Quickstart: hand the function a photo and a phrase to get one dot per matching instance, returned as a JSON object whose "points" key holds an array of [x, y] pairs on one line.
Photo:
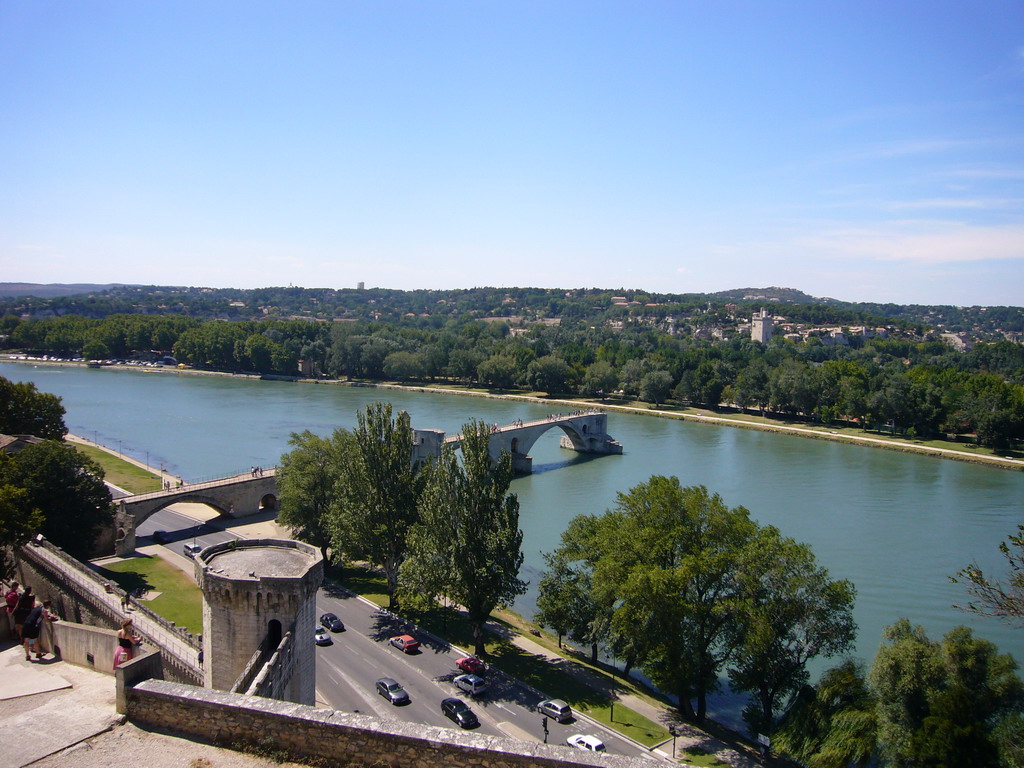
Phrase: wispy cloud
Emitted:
{"points": [[952, 203], [920, 242]]}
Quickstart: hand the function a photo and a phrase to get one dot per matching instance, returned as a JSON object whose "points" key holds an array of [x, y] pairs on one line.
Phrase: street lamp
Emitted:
{"points": [[675, 732]]}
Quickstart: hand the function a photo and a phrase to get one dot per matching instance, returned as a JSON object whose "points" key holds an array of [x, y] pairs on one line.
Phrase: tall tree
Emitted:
{"points": [[67, 488], [1004, 600], [378, 491], [833, 724], [791, 613], [940, 703], [306, 483], [19, 522], [468, 545], [26, 411]]}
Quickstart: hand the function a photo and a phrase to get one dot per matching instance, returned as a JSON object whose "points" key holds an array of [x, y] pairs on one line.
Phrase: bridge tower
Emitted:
{"points": [[259, 599]]}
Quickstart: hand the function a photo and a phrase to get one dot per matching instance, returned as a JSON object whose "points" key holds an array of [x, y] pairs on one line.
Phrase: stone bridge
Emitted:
{"points": [[583, 431], [236, 496]]}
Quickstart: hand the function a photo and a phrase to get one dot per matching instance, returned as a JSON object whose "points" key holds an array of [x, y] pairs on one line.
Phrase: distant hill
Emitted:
{"points": [[773, 293], [51, 290]]}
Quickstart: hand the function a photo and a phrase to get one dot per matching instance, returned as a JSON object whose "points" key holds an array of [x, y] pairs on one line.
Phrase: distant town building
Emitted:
{"points": [[761, 325], [361, 285], [961, 342]]}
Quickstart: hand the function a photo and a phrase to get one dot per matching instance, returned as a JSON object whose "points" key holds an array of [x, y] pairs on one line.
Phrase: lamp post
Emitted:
{"points": [[675, 732]]}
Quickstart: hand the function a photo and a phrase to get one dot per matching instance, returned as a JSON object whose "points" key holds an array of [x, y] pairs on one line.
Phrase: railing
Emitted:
{"points": [[181, 648], [200, 485]]}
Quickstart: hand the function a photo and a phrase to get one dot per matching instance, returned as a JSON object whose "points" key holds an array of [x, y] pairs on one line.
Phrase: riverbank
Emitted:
{"points": [[707, 417]]}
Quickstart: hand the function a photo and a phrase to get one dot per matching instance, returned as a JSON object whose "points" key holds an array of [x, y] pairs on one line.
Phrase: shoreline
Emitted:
{"points": [[997, 462]]}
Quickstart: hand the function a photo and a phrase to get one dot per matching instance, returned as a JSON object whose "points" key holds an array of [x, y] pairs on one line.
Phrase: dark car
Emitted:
{"points": [[160, 537], [471, 664], [392, 691], [459, 711], [332, 622]]}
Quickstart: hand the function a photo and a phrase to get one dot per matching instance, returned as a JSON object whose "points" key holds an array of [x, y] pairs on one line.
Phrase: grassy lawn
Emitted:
{"points": [[180, 600], [121, 473]]}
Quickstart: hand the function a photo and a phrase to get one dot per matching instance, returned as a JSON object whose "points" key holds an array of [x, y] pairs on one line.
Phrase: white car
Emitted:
{"points": [[471, 684], [321, 637], [589, 743]]}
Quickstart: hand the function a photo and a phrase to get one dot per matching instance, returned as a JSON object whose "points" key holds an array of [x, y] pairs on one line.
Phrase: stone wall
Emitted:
{"points": [[337, 737]]}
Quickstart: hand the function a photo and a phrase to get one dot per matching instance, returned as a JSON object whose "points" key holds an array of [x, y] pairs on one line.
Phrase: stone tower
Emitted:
{"points": [[256, 592], [761, 326]]}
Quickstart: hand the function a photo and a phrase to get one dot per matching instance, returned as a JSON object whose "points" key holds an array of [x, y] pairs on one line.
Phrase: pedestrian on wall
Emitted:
{"points": [[30, 632], [26, 602], [46, 644], [127, 639], [11, 598]]}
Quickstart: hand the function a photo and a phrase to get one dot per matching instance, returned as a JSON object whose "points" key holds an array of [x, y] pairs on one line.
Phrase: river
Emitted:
{"points": [[897, 525]]}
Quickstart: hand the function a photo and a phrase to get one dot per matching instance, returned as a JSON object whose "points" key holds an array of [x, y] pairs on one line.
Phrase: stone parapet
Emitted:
{"points": [[337, 737]]}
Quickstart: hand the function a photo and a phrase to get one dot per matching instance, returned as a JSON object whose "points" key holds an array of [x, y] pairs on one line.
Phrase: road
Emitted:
{"points": [[347, 670]]}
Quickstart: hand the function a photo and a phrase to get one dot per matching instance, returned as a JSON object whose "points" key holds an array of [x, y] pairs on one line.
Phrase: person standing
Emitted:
{"points": [[127, 639], [26, 602], [11, 597], [30, 630]]}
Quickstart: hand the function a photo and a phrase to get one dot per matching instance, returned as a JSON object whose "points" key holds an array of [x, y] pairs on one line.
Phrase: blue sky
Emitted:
{"points": [[868, 151]]}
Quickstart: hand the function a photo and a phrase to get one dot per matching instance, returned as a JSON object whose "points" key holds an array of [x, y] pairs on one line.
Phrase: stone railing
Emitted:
{"points": [[339, 738], [181, 648]]}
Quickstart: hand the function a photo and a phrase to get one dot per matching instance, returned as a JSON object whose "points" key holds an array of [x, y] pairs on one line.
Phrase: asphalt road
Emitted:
{"points": [[347, 670]]}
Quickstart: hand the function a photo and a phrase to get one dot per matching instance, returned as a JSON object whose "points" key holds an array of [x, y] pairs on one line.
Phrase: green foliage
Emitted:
{"points": [[995, 598], [940, 703], [468, 545], [67, 488], [19, 522], [26, 411], [377, 491], [306, 481]]}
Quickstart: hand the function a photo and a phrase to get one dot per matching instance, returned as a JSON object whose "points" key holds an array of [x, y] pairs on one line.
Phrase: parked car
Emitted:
{"points": [[589, 743], [160, 537], [458, 711], [322, 638], [191, 550], [406, 643], [471, 684], [392, 691], [555, 709], [471, 664], [332, 622]]}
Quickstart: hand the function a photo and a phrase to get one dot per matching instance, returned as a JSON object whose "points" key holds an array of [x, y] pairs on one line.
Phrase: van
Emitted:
{"points": [[556, 709]]}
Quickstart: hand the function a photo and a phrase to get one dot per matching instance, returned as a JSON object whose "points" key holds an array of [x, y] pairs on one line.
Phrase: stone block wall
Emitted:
{"points": [[337, 737]]}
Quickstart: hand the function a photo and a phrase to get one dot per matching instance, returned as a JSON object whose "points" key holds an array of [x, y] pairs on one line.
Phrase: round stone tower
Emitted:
{"points": [[256, 592]]}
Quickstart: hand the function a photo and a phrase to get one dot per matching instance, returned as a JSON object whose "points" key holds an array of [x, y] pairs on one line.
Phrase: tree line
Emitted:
{"points": [[922, 389]]}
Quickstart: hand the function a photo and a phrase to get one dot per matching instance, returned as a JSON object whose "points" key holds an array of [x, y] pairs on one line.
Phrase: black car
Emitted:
{"points": [[332, 622], [392, 691], [459, 711], [160, 537]]}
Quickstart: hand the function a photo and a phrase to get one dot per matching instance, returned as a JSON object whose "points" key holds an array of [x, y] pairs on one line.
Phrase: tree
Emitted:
{"points": [[468, 545], [19, 522], [378, 490], [498, 371], [67, 488], [655, 386], [792, 613], [940, 703], [548, 374], [565, 602], [994, 598], [306, 483], [26, 411], [599, 378], [832, 724]]}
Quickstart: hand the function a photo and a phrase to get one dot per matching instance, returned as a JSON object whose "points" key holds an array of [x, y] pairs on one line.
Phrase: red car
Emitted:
{"points": [[471, 664], [406, 643]]}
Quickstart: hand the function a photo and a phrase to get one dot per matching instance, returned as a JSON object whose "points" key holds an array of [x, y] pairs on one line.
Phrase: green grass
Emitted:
{"points": [[180, 600], [121, 473]]}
